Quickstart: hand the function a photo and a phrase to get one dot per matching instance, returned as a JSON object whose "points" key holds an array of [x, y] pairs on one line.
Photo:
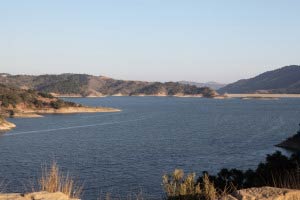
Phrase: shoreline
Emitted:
{"points": [[225, 96], [119, 95], [262, 96], [37, 113]]}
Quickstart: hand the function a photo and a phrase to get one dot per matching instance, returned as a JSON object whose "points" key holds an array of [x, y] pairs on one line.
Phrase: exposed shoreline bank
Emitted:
{"points": [[270, 96], [121, 95], [5, 125], [225, 96], [35, 113]]}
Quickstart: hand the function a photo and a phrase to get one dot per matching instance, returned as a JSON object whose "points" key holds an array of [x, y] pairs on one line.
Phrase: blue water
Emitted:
{"points": [[129, 151]]}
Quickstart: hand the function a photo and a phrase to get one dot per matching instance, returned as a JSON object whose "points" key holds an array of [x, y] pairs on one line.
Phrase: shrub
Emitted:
{"points": [[277, 171], [46, 95], [180, 187], [38, 103], [57, 104]]}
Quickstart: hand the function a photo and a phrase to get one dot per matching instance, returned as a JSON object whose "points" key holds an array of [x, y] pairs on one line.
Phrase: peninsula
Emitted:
{"points": [[291, 143], [17, 102]]}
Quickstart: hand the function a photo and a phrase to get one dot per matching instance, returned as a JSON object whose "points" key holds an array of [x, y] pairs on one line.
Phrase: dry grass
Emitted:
{"points": [[178, 186], [209, 190], [53, 180]]}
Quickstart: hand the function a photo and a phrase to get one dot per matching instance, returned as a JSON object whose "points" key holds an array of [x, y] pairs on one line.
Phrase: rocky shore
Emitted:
{"points": [[264, 193]]}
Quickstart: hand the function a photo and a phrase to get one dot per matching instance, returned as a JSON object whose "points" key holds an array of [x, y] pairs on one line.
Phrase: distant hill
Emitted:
{"points": [[88, 85], [285, 80], [212, 85]]}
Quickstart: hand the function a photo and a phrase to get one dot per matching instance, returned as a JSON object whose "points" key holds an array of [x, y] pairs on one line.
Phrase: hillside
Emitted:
{"points": [[14, 100], [291, 143], [285, 80], [88, 85], [212, 85]]}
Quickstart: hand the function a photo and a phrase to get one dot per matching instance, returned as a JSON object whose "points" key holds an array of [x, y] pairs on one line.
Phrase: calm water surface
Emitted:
{"points": [[129, 151]]}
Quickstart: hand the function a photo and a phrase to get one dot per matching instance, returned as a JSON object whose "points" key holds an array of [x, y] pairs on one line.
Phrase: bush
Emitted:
{"points": [[57, 104], [277, 171], [38, 103], [180, 187]]}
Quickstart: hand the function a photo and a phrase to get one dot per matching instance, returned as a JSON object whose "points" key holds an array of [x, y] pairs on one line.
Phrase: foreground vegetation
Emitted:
{"points": [[177, 186], [277, 171]]}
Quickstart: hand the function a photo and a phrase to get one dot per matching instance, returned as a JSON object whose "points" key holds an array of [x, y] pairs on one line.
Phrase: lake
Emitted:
{"points": [[129, 151]]}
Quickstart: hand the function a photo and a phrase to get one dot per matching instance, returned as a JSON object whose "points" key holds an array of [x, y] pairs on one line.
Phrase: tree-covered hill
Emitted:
{"points": [[12, 99]]}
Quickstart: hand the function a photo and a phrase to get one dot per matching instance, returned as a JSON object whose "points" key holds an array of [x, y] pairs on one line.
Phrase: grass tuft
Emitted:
{"points": [[180, 187], [53, 180]]}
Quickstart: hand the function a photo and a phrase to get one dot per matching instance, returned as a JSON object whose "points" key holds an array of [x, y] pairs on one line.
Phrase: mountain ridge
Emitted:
{"points": [[284, 80]]}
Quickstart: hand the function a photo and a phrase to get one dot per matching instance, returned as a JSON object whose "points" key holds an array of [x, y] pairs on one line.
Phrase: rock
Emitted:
{"points": [[35, 196], [12, 196], [264, 193], [47, 196]]}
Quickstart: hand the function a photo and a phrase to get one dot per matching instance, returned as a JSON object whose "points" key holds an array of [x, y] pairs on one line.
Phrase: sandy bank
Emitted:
{"points": [[5, 125], [263, 96], [77, 110], [67, 110], [21, 114]]}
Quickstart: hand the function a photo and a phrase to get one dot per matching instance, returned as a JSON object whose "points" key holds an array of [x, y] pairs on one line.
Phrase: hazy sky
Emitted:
{"points": [[158, 40]]}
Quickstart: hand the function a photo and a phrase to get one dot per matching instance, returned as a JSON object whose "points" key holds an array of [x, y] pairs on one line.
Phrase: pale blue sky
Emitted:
{"points": [[155, 40]]}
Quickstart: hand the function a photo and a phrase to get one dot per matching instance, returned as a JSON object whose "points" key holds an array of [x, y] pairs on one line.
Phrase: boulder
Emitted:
{"points": [[264, 193], [35, 196]]}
